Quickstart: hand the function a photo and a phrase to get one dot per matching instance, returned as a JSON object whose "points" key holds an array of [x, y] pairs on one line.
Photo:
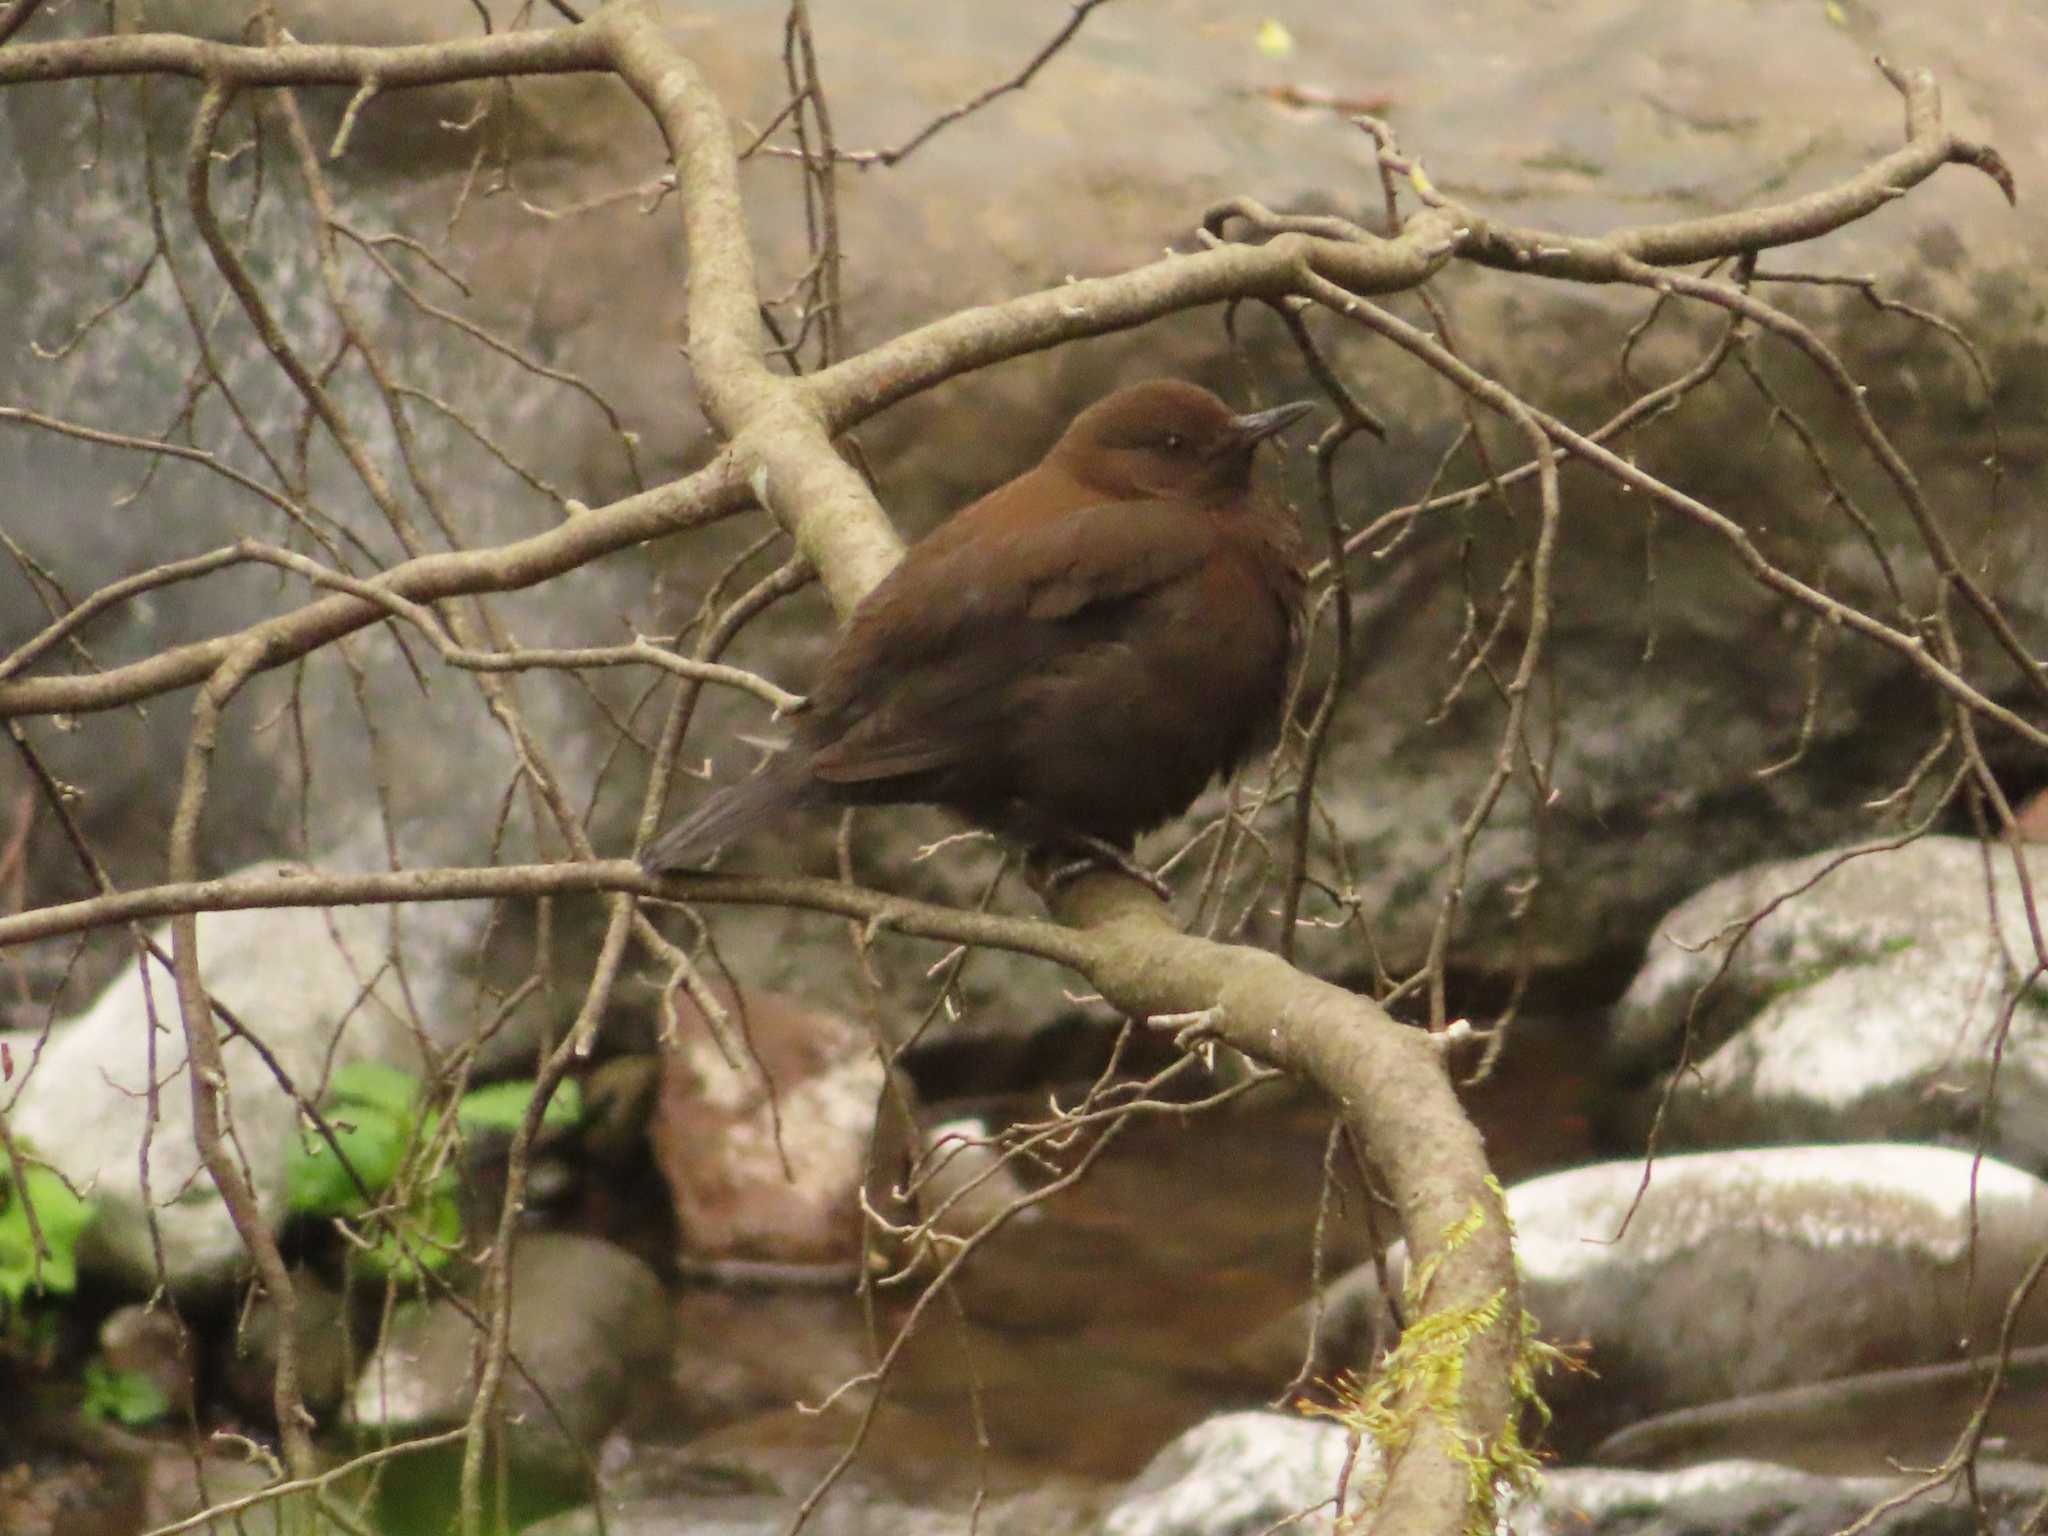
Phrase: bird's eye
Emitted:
{"points": [[1174, 442]]}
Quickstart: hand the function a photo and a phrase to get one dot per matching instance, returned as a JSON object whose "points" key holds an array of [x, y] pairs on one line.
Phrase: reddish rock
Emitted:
{"points": [[762, 1129], [2032, 817]]}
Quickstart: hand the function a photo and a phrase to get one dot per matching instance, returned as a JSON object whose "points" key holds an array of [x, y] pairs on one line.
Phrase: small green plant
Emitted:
{"points": [[126, 1397], [60, 1216], [373, 1111], [384, 1171]]}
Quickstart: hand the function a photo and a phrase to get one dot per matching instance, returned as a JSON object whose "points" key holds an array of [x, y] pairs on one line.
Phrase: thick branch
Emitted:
{"points": [[774, 426], [567, 50], [975, 338]]}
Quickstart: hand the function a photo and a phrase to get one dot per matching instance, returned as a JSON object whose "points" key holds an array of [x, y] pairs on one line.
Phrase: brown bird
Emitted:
{"points": [[1070, 659]]}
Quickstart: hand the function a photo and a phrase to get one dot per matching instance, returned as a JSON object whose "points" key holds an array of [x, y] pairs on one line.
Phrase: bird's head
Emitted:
{"points": [[1168, 440]]}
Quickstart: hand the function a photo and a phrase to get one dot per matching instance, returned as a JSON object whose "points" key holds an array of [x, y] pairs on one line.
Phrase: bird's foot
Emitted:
{"points": [[1101, 854], [972, 835], [1194, 1031]]}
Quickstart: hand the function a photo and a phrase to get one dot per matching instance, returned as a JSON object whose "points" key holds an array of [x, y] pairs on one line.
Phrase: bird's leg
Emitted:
{"points": [[1101, 852]]}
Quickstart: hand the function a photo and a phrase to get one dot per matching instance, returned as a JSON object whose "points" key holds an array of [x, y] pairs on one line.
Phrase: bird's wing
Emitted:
{"points": [[921, 680]]}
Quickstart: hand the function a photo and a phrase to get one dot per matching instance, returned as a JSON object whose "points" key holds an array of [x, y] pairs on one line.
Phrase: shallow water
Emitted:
{"points": [[1100, 1331]]}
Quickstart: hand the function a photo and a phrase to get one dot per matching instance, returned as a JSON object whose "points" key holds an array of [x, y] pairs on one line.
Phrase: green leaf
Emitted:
{"points": [[420, 1240], [374, 1112], [60, 1214], [501, 1106], [371, 1082], [373, 1140], [127, 1396]]}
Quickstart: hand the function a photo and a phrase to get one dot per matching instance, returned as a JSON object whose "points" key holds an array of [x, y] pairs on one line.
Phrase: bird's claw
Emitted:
{"points": [[1101, 855], [1195, 1031]]}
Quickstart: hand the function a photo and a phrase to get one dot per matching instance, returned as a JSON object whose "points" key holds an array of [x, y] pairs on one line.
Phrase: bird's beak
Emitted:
{"points": [[1260, 425]]}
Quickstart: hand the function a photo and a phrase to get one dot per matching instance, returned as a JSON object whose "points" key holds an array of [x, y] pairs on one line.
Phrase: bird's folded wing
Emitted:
{"points": [[923, 680], [1104, 553]]}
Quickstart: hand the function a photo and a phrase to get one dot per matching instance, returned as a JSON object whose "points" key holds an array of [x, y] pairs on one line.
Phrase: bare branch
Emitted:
{"points": [[710, 494], [1597, 259]]}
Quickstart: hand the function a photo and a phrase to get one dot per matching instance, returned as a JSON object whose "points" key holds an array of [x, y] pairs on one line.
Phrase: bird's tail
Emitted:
{"points": [[782, 785]]}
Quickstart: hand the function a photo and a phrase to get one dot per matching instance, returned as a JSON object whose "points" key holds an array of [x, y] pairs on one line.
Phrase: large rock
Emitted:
{"points": [[327, 1349], [1878, 997], [1865, 1425], [347, 761], [1247, 1473], [314, 987], [1240, 1474], [1743, 1271], [1612, 112], [1754, 1498], [1736, 1273], [590, 1330]]}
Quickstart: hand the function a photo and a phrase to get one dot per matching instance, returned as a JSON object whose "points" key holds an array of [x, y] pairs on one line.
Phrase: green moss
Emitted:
{"points": [[1425, 1375], [1841, 959], [1800, 980]]}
